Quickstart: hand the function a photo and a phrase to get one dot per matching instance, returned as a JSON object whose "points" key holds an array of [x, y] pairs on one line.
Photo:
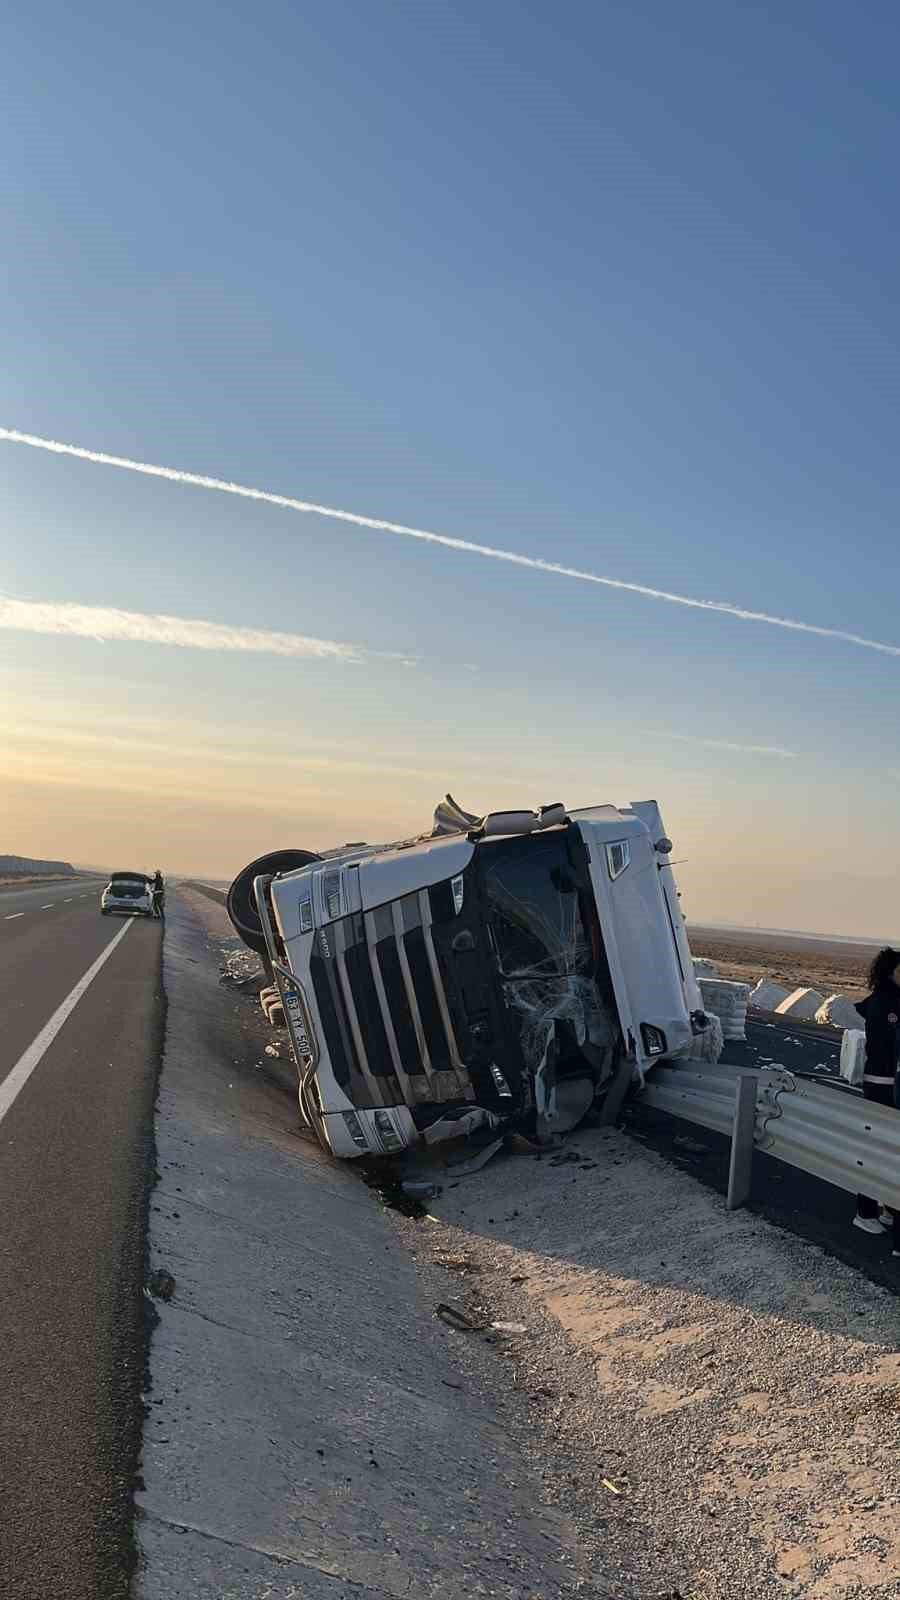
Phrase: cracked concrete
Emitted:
{"points": [[308, 1431]]}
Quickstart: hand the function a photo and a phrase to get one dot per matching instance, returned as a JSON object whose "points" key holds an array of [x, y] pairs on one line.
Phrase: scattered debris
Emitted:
{"points": [[509, 1327], [608, 1484], [459, 1122], [273, 1050], [161, 1284], [566, 1157], [456, 1317], [415, 1190], [240, 967], [462, 1169], [457, 1264]]}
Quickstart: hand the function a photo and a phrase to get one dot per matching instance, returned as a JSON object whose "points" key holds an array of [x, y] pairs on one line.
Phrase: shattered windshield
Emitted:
{"points": [[533, 908], [545, 954]]}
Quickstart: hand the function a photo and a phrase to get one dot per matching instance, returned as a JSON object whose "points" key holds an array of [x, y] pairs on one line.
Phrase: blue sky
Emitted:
{"points": [[611, 285]]}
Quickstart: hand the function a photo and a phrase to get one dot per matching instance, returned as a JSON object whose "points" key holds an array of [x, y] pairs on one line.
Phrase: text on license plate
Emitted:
{"points": [[294, 1009]]}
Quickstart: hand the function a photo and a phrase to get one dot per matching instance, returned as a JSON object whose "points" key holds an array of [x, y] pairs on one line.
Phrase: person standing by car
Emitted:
{"points": [[881, 1013], [159, 893]]}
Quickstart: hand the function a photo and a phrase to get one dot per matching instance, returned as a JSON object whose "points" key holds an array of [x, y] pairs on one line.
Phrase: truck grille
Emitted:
{"points": [[383, 1007]]}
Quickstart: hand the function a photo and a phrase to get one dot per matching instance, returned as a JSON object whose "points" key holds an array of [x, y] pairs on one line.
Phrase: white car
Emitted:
{"points": [[128, 894]]}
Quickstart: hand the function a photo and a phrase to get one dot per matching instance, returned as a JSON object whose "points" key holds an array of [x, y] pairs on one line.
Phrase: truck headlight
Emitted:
{"points": [[355, 1129], [386, 1131], [654, 1040]]}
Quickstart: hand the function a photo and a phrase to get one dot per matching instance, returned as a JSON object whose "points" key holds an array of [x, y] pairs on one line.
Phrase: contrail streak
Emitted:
{"points": [[106, 623], [724, 744], [465, 546]]}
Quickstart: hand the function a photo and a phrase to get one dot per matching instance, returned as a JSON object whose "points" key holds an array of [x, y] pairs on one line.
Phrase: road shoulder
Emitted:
{"points": [[308, 1429]]}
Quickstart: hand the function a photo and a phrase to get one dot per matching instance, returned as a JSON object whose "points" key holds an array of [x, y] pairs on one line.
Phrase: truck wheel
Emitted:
{"points": [[240, 904]]}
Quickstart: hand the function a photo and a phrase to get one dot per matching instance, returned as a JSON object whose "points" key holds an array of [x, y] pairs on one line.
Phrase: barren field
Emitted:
{"points": [[25, 881], [747, 956]]}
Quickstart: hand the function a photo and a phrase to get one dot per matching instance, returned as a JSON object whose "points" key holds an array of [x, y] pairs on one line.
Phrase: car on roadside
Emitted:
{"points": [[128, 894]]}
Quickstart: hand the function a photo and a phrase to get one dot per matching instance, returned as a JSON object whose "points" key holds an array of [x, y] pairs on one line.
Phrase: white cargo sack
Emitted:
{"points": [[853, 1055], [838, 1012], [703, 968], [708, 1045], [802, 1005], [728, 1002], [768, 995]]}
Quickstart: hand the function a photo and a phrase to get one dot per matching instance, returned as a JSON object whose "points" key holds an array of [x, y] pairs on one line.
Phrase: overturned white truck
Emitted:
{"points": [[500, 972]]}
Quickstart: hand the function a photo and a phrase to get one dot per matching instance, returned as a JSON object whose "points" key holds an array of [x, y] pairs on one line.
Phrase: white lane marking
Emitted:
{"points": [[49, 906], [14, 915], [68, 902], [24, 1067]]}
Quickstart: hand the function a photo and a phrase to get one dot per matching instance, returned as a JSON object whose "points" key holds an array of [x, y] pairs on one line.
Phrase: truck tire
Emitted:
{"points": [[240, 904]]}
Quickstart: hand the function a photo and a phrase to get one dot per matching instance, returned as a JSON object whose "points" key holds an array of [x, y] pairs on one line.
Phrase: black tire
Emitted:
{"points": [[240, 904]]}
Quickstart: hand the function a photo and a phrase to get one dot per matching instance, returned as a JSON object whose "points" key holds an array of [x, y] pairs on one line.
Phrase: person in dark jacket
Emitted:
{"points": [[881, 1014], [159, 893]]}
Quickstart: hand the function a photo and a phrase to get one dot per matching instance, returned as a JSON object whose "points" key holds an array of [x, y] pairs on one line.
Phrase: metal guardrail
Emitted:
{"points": [[838, 1137], [850, 1142], [698, 1094]]}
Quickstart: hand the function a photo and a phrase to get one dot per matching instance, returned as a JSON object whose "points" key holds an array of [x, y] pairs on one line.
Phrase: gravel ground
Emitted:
{"points": [[715, 1402], [712, 1401]]}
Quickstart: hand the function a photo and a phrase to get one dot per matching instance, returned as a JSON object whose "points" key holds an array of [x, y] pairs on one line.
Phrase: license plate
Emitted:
{"points": [[293, 1007]]}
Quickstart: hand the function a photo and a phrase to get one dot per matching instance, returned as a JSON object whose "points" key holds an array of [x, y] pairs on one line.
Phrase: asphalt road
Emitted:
{"points": [[78, 1071]]}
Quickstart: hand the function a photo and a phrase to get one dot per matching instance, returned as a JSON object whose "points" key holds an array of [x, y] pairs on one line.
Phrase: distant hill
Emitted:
{"points": [[24, 867]]}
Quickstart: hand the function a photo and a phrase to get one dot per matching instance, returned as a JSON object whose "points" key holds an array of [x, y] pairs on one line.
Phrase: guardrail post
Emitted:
{"points": [[743, 1128]]}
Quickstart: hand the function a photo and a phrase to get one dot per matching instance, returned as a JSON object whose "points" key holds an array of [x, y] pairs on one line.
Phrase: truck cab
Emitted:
{"points": [[495, 973]]}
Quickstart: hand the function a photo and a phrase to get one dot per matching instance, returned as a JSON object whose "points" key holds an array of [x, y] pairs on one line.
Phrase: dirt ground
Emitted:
{"points": [[745, 957], [22, 882], [714, 1402]]}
